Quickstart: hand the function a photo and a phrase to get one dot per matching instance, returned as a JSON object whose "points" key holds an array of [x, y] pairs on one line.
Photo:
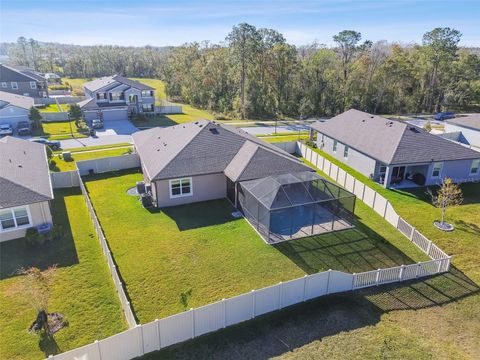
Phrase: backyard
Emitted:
{"points": [[191, 255], [83, 291], [58, 130], [435, 318]]}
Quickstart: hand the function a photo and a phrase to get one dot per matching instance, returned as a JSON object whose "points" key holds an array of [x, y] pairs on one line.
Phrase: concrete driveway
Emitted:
{"points": [[116, 127]]}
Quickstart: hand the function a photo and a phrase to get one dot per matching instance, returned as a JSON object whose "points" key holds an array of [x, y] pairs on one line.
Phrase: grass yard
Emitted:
{"points": [[284, 138], [436, 318], [200, 249], [83, 290], [50, 108], [59, 130], [59, 164]]}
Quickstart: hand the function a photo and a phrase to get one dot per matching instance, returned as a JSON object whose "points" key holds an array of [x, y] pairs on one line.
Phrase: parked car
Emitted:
{"points": [[6, 129], [444, 115], [54, 144], [23, 128], [97, 124]]}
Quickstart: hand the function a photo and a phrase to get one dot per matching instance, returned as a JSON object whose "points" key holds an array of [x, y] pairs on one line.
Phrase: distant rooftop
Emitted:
{"points": [[105, 81], [471, 121]]}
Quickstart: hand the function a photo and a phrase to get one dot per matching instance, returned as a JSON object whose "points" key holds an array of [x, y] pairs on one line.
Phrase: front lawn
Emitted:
{"points": [[201, 252], [59, 164], [58, 130], [83, 289]]}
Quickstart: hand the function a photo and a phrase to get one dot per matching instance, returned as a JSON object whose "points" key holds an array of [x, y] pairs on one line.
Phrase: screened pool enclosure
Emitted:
{"points": [[296, 205]]}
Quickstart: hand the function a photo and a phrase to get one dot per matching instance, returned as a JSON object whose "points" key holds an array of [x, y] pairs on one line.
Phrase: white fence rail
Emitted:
{"points": [[107, 164], [127, 310], [54, 116], [158, 334], [168, 109]]}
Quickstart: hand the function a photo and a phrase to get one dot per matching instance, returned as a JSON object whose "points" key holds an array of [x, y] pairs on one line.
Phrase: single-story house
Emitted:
{"points": [[116, 98], [393, 152], [204, 160], [25, 187], [14, 108], [468, 128]]}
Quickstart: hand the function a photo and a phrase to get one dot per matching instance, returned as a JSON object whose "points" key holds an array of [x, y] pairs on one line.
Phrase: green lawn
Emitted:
{"points": [[436, 318], [59, 164], [50, 108], [58, 130], [200, 247], [83, 290], [97, 147], [283, 138]]}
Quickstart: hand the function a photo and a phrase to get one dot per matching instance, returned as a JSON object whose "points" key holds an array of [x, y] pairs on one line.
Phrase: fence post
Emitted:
{"points": [[411, 233], [224, 308], [400, 276], [141, 351], [253, 303], [417, 269], [98, 349], [193, 322], [353, 280], [448, 263], [374, 199], [280, 294], [157, 330], [328, 281], [429, 247], [377, 277], [386, 207], [304, 286]]}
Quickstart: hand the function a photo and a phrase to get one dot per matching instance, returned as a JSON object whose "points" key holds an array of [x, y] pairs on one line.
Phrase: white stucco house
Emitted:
{"points": [[393, 152], [25, 187], [467, 129]]}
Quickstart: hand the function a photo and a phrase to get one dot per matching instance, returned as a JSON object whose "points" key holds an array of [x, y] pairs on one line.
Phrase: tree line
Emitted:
{"points": [[255, 73]]}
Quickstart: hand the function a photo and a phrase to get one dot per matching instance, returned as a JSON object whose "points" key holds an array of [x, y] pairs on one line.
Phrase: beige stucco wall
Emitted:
{"points": [[205, 187], [39, 214]]}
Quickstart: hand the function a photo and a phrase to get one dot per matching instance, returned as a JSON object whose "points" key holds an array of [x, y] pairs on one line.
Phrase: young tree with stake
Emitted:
{"points": [[447, 196]]}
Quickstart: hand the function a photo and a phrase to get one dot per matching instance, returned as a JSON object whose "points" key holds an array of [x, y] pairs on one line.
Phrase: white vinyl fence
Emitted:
{"points": [[158, 334], [66, 179], [375, 201], [288, 146], [168, 109], [107, 164], [54, 116]]}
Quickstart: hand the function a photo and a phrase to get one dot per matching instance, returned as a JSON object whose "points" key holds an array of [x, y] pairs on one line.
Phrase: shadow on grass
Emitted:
{"points": [[202, 214], [351, 250], [16, 254], [162, 121], [283, 331], [48, 344]]}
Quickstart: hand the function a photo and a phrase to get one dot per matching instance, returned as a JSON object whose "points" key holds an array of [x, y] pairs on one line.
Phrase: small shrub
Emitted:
{"points": [[32, 237], [185, 298], [311, 143]]}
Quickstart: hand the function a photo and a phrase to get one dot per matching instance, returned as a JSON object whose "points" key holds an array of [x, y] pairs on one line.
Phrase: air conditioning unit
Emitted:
{"points": [[141, 187]]}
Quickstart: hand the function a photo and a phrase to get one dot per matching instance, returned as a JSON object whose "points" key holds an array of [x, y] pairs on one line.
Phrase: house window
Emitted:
{"points": [[334, 146], [475, 167], [345, 152], [181, 187], [437, 169], [33, 85], [116, 96], [382, 170], [147, 93], [14, 218], [4, 84], [101, 96], [14, 85], [147, 108]]}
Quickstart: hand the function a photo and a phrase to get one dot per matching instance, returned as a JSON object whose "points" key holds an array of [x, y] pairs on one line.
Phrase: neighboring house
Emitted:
{"points": [[468, 128], [22, 81], [395, 153], [14, 108], [280, 196], [25, 187], [116, 97]]}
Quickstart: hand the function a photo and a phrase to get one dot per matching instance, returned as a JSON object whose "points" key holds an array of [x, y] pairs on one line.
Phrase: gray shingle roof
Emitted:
{"points": [[471, 121], [24, 173], [204, 147], [9, 73], [24, 102], [391, 141], [90, 104], [102, 82]]}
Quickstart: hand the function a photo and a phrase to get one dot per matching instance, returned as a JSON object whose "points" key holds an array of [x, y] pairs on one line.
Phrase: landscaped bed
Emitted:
{"points": [[191, 255], [83, 290]]}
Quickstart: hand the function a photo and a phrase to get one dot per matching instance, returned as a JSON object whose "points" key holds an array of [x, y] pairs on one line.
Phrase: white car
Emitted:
{"points": [[6, 129]]}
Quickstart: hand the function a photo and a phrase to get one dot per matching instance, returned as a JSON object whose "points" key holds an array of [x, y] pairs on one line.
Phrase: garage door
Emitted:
{"points": [[115, 114]]}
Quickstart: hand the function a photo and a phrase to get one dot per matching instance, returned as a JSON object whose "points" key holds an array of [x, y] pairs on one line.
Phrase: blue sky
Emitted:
{"points": [[142, 22]]}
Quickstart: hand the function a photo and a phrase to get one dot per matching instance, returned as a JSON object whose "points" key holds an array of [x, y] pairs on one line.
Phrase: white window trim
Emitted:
{"points": [[4, 84], [180, 195], [345, 151], [14, 87], [33, 85], [478, 167], [334, 146], [29, 225], [439, 173]]}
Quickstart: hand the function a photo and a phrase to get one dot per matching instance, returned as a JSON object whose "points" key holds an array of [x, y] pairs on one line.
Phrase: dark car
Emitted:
{"points": [[24, 128], [54, 144], [97, 124], [444, 115]]}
